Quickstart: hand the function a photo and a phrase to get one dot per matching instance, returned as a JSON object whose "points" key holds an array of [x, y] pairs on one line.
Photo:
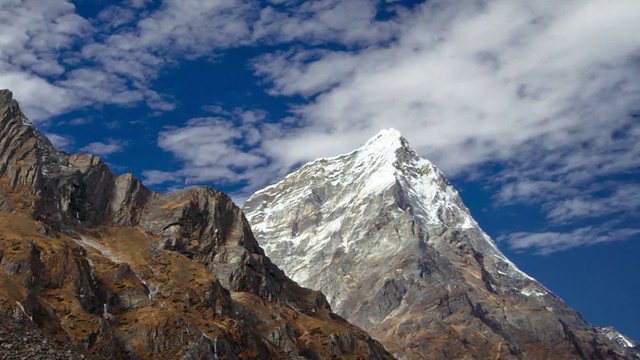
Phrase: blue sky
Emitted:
{"points": [[531, 108]]}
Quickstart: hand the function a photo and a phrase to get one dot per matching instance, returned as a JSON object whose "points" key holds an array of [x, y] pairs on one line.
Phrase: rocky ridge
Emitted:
{"points": [[100, 262], [385, 236]]}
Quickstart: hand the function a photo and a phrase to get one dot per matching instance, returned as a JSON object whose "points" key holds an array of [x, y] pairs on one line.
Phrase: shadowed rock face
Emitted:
{"points": [[112, 268], [386, 238]]}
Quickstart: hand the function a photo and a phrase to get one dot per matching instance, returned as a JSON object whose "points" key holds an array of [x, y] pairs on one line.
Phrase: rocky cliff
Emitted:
{"points": [[101, 263], [385, 236]]}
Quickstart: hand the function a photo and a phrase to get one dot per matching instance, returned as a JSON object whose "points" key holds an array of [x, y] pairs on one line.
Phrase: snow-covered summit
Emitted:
{"points": [[386, 139], [384, 162], [384, 235], [316, 205]]}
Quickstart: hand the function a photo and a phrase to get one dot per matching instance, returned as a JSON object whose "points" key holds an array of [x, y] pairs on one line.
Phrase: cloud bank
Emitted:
{"points": [[548, 90]]}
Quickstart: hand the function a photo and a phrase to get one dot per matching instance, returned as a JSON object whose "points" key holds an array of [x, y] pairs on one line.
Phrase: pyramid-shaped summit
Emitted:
{"points": [[385, 140], [388, 240]]}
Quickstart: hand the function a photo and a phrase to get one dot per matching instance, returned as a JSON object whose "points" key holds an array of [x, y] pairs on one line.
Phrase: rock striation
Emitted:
{"points": [[114, 270], [384, 235]]}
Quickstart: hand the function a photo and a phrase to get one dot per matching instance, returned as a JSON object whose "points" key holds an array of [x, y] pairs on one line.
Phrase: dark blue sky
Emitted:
{"points": [[530, 108]]}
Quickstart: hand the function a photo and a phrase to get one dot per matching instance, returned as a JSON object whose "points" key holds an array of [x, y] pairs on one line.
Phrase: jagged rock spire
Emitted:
{"points": [[79, 191]]}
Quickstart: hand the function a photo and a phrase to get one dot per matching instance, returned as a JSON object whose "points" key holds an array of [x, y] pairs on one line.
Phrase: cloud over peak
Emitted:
{"points": [[549, 90]]}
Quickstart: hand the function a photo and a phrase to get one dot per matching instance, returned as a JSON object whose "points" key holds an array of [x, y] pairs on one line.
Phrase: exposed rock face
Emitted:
{"points": [[112, 268], [57, 187], [385, 236]]}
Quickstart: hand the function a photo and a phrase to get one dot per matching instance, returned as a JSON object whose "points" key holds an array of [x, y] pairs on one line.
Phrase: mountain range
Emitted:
{"points": [[110, 269], [96, 265]]}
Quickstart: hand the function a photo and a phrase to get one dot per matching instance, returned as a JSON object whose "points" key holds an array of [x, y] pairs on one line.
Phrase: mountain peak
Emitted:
{"points": [[5, 96], [385, 143], [9, 108], [386, 163], [391, 244], [391, 138]]}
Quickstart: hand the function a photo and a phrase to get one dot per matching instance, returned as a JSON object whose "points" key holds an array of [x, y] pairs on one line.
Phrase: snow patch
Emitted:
{"points": [[532, 290], [613, 335], [100, 248], [153, 288], [106, 314], [23, 310], [26, 122], [215, 345]]}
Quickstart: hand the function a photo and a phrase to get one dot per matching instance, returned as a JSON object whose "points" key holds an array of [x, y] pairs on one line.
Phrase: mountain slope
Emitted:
{"points": [[384, 235], [102, 263]]}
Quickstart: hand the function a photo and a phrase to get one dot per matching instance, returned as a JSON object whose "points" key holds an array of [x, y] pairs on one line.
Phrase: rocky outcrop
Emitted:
{"points": [[100, 262], [385, 236], [57, 187]]}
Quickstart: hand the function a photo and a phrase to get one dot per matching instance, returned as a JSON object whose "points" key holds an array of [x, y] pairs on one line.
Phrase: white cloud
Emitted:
{"points": [[549, 242], [475, 87], [47, 48], [61, 142], [528, 190], [294, 72], [155, 177], [105, 149], [33, 35], [581, 180], [176, 30], [545, 88], [345, 22], [38, 98], [195, 26], [212, 151], [624, 199], [100, 86], [79, 121], [56, 61]]}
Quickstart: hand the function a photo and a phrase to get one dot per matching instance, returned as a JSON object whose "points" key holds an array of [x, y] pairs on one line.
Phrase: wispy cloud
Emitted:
{"points": [[33, 37], [105, 149], [61, 142], [474, 86], [124, 63], [58, 61], [545, 243], [352, 23], [213, 149], [623, 200], [546, 89]]}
